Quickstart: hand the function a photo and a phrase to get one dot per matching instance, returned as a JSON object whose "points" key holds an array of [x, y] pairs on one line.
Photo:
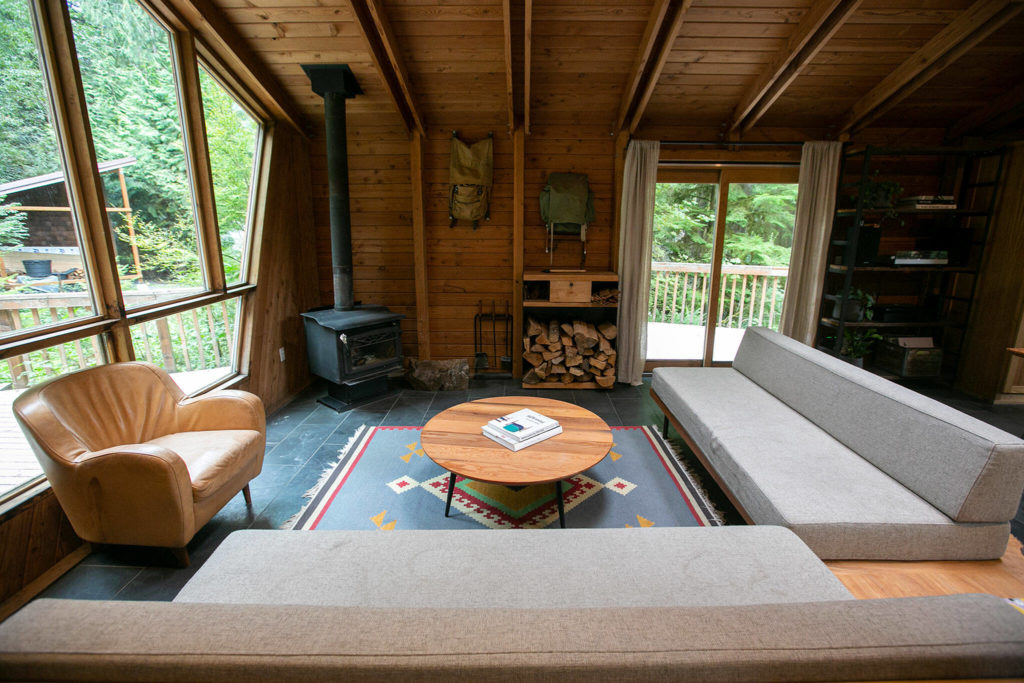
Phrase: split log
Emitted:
{"points": [[609, 330], [526, 343], [557, 360], [542, 338], [585, 364], [553, 331], [588, 352], [584, 334], [556, 370], [555, 346], [595, 362], [534, 359], [566, 340], [604, 345], [543, 370], [572, 357], [531, 377], [576, 372], [605, 381], [566, 378], [533, 326], [567, 328], [587, 377], [548, 355], [538, 348]]}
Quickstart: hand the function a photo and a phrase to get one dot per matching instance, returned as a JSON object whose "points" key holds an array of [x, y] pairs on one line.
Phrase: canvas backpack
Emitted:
{"points": [[567, 207], [471, 172]]}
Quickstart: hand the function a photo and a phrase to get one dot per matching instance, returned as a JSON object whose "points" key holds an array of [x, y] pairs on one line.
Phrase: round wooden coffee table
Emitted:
{"points": [[453, 440]]}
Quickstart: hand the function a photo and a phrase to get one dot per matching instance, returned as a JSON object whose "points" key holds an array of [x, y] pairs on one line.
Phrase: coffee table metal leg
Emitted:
{"points": [[451, 490], [561, 506]]}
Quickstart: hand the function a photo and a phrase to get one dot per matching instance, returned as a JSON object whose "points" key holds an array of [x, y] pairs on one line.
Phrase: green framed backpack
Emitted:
{"points": [[567, 207]]}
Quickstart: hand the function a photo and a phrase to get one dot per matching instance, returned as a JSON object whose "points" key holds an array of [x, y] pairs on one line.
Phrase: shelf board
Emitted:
{"points": [[916, 212], [560, 385], [550, 304], [592, 275], [903, 269], [832, 322]]}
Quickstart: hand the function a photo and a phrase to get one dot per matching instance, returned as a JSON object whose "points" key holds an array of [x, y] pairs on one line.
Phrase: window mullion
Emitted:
{"points": [[85, 190], [196, 150]]}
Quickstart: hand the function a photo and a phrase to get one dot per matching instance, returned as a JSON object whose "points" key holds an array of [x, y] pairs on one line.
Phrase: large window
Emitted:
{"points": [[172, 290], [719, 263]]}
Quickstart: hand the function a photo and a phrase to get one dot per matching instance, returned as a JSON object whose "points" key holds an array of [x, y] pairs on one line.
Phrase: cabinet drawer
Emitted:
{"points": [[570, 291]]}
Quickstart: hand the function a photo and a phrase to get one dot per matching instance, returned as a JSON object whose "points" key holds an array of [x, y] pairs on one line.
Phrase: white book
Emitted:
{"points": [[520, 445], [522, 424]]}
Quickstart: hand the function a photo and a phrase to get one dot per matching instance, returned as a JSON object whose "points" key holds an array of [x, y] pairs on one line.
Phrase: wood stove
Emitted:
{"points": [[352, 347], [354, 351]]}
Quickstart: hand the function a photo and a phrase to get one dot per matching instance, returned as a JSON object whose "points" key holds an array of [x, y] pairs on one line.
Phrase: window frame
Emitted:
{"points": [[66, 102]]}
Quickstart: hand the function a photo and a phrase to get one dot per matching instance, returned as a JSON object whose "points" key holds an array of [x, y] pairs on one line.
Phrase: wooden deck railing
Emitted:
{"points": [[749, 295], [192, 340]]}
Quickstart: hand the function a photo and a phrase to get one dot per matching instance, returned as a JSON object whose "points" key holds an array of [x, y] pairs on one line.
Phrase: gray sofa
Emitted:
{"points": [[715, 604], [857, 466]]}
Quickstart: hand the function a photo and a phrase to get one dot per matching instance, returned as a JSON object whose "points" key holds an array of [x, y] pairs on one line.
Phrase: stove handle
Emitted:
{"points": [[344, 339]]}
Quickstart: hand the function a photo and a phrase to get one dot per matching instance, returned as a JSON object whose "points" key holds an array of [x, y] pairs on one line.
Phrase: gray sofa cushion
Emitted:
{"points": [[960, 636], [514, 568], [787, 471], [969, 470]]}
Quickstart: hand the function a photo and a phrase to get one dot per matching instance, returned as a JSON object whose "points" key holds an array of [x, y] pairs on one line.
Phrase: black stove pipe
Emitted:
{"points": [[337, 183], [335, 83]]}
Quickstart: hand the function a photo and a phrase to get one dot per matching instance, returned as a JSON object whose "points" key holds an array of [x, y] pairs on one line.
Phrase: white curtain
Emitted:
{"points": [[819, 172], [636, 231]]}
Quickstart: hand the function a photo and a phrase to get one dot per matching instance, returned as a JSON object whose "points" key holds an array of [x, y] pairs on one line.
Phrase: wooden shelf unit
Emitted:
{"points": [[571, 293], [865, 236]]}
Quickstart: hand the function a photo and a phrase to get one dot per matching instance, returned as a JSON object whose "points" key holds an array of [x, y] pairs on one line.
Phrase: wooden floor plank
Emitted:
{"points": [[1003, 577]]}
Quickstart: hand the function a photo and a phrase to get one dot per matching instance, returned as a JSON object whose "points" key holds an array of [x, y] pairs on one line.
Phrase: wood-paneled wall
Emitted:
{"points": [[34, 537], [466, 268], [286, 273]]}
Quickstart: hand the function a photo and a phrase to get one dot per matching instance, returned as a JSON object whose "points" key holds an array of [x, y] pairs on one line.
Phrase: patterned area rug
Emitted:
{"points": [[384, 480]]}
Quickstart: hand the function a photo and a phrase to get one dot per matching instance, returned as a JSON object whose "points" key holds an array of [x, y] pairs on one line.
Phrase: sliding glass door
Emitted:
{"points": [[720, 259]]}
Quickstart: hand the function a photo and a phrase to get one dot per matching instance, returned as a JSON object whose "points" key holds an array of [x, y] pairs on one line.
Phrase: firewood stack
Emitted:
{"points": [[570, 352]]}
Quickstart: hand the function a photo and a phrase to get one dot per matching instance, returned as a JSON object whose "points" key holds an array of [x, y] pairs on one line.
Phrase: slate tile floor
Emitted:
{"points": [[304, 437]]}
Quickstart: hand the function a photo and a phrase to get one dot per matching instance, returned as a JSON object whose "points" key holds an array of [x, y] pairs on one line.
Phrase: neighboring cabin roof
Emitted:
{"points": [[58, 177]]}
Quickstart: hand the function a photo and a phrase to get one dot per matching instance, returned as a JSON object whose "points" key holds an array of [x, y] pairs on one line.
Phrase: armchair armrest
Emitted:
{"points": [[229, 409], [131, 494]]}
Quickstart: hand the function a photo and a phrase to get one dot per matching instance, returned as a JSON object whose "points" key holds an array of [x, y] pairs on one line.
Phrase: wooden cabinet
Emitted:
{"points": [[542, 289], [906, 246]]}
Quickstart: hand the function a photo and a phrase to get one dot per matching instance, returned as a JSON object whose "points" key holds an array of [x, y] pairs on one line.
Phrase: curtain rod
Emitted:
{"points": [[727, 164], [691, 143]]}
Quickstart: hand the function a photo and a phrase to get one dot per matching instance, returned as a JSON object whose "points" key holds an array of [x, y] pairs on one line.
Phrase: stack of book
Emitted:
{"points": [[520, 429], [921, 258], [928, 202]]}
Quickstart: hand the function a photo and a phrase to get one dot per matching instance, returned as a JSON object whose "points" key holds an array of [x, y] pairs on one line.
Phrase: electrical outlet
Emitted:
{"points": [[280, 352]]}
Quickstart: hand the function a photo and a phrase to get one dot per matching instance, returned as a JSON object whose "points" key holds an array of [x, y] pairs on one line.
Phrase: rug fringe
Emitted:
{"points": [[343, 452], [695, 478]]}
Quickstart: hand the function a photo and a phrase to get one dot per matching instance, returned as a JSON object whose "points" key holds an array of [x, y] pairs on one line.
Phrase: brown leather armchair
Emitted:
{"points": [[132, 461]]}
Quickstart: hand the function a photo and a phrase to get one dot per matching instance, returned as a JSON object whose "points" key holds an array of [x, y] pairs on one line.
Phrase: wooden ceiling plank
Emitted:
{"points": [[373, 23], [1007, 102], [654, 22], [506, 14], [815, 29], [218, 35], [527, 59], [676, 14], [974, 25]]}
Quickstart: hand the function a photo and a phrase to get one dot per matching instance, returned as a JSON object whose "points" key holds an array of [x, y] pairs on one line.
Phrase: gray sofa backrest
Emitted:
{"points": [[969, 470]]}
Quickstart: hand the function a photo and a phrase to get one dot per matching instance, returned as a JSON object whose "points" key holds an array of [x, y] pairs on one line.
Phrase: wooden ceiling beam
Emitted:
{"points": [[506, 15], [670, 29], [654, 22], [974, 25], [1009, 104], [219, 36], [527, 61], [816, 28], [375, 27]]}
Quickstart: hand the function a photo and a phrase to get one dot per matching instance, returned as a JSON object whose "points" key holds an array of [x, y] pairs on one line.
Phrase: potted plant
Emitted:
{"points": [[858, 344], [856, 307], [880, 194]]}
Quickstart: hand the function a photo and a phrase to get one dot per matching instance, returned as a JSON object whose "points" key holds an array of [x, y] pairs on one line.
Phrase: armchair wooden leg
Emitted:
{"points": [[248, 496], [181, 555]]}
